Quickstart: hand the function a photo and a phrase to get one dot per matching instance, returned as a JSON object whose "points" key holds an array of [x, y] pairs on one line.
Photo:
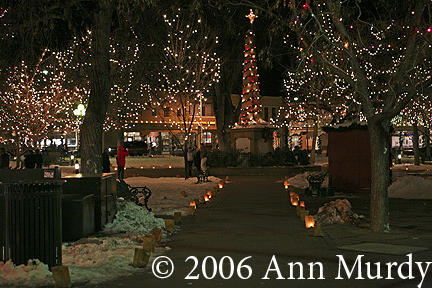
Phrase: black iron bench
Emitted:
{"points": [[315, 182], [201, 175], [131, 193]]}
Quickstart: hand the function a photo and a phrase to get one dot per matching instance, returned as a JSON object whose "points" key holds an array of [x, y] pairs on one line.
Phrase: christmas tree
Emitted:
{"points": [[251, 108]]}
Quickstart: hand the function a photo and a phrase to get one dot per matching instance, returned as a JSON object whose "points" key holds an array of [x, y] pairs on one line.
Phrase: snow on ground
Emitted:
{"points": [[300, 180], [23, 275], [406, 186], [411, 187], [103, 260], [131, 218], [100, 259], [166, 195], [149, 162]]}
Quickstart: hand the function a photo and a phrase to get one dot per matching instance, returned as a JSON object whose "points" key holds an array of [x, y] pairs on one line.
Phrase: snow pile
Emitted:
{"points": [[132, 218], [101, 259], [411, 187], [166, 197], [22, 275], [300, 180], [338, 212]]}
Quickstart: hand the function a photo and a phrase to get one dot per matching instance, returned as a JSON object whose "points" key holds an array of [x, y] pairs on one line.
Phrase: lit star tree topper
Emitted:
{"points": [[251, 16]]}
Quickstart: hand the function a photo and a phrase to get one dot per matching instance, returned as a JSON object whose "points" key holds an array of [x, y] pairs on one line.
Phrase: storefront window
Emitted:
{"points": [[207, 138], [132, 136]]}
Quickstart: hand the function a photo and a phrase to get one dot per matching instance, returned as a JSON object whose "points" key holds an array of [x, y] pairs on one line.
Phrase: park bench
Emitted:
{"points": [[201, 175], [133, 194], [315, 182]]}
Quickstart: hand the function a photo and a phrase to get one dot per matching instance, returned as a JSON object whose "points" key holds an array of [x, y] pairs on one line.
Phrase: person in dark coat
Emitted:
{"points": [[105, 161], [203, 156], [189, 162], [29, 160], [4, 159], [38, 159], [197, 158]]}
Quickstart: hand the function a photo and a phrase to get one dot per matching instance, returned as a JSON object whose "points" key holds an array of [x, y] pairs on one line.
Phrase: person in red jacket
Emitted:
{"points": [[121, 161]]}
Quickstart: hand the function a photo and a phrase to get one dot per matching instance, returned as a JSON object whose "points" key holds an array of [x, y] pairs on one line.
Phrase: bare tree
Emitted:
{"points": [[36, 103], [378, 49], [188, 69], [311, 90], [40, 20]]}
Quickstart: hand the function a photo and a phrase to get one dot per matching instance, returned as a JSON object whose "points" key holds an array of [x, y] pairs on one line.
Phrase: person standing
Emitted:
{"points": [[121, 161], [29, 160], [38, 158], [189, 162], [196, 162], [203, 156], [105, 161], [4, 159]]}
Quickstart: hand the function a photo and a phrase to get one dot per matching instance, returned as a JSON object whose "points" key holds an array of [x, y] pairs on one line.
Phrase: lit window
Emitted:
{"points": [[207, 137]]}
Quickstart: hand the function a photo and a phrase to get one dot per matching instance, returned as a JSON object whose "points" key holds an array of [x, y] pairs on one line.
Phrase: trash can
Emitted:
{"points": [[32, 222]]}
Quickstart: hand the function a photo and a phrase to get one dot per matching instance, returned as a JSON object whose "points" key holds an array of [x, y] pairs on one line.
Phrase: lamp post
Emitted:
{"points": [[80, 111], [77, 167]]}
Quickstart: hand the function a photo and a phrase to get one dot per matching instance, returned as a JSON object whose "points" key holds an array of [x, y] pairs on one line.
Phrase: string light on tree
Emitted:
{"points": [[251, 107], [188, 69], [37, 102]]}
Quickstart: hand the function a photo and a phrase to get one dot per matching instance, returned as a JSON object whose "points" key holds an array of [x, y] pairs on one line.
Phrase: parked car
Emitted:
{"points": [[137, 148]]}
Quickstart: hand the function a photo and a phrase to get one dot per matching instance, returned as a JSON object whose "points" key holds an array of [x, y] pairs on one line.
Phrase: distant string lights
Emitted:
{"points": [[37, 102], [381, 52], [189, 69]]}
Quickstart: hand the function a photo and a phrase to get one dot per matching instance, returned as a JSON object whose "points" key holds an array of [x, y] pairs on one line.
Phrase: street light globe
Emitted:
{"points": [[81, 107]]}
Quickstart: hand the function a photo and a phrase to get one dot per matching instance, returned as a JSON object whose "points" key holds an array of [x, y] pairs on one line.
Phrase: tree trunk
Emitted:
{"points": [[314, 138], [427, 136], [226, 115], [120, 137], [18, 153], [284, 136], [416, 143], [380, 149], [100, 83], [185, 159]]}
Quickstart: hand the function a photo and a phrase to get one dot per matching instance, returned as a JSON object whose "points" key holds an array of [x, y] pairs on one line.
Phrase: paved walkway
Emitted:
{"points": [[252, 217]]}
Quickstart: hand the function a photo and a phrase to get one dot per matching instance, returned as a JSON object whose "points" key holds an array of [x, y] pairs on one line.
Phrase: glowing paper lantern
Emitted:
{"points": [[309, 221]]}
